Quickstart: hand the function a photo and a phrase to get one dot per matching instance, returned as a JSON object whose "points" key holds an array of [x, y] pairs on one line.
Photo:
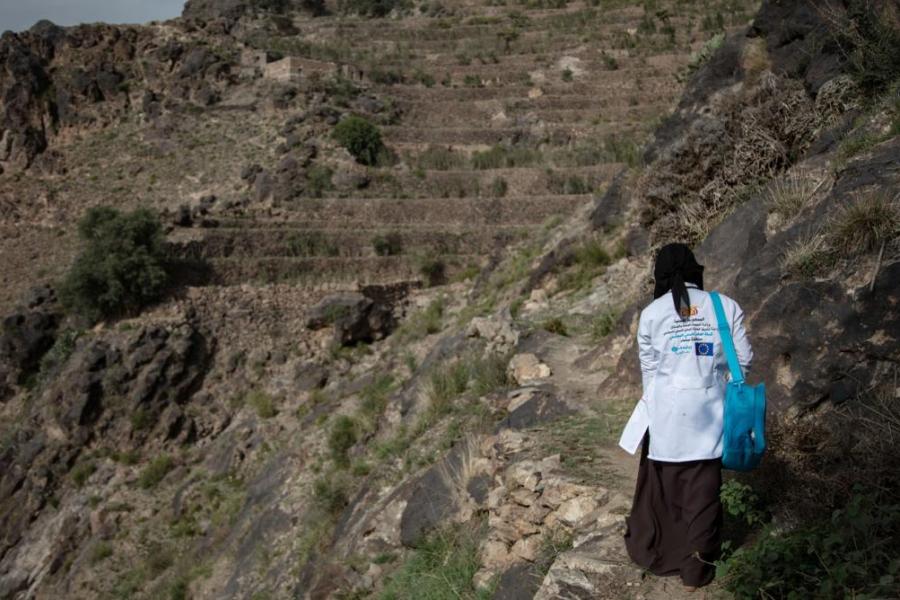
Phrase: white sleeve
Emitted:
{"points": [[649, 357], [741, 341]]}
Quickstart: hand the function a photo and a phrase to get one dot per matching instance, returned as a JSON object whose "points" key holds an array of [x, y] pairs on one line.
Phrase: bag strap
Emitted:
{"points": [[737, 376]]}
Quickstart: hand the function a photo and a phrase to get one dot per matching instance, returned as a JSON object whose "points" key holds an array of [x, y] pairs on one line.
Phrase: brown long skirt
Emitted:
{"points": [[676, 518]]}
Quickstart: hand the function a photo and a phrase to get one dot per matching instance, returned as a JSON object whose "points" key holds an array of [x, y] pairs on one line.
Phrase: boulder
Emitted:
{"points": [[498, 333], [527, 368], [354, 317]]}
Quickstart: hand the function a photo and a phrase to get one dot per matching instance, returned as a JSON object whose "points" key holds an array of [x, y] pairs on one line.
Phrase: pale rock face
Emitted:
{"points": [[524, 497], [558, 490], [527, 548], [499, 334], [524, 368], [496, 497], [526, 474], [577, 511]]}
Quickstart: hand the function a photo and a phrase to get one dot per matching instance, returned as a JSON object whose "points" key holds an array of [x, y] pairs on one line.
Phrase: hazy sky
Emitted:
{"points": [[22, 14]]}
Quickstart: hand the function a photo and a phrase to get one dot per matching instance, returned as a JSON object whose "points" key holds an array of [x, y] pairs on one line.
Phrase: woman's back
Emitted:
{"points": [[684, 372]]}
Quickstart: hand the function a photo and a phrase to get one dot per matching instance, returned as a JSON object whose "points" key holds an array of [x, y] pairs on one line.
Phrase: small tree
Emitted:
{"points": [[361, 138], [508, 36], [122, 266]]}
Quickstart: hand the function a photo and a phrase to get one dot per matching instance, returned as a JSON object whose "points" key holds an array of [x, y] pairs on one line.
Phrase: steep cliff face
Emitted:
{"points": [[56, 80]]}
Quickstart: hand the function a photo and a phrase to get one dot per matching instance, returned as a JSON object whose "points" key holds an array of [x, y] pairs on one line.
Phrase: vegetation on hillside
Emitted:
{"points": [[361, 138], [122, 266]]}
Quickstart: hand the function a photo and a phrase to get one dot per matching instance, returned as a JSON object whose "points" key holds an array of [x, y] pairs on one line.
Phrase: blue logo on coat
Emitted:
{"points": [[703, 348]]}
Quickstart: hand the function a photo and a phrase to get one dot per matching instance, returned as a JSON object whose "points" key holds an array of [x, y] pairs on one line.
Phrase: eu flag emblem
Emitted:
{"points": [[703, 348]]}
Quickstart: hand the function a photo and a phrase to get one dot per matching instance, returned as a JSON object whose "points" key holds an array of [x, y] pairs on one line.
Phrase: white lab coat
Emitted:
{"points": [[684, 373]]}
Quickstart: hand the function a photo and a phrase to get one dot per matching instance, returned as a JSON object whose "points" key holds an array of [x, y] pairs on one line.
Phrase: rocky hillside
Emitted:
{"points": [[407, 246]]}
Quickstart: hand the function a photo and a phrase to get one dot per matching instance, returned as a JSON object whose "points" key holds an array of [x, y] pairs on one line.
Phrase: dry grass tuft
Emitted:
{"points": [[864, 225], [807, 256], [788, 195]]}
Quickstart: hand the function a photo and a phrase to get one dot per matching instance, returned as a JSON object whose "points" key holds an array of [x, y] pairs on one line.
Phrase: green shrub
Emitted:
{"points": [[141, 419], [61, 350], [311, 243], [361, 138], [82, 472], [610, 61], [375, 396], [426, 79], [555, 325], [318, 181], [499, 187], [342, 437], [100, 552], [155, 472], [854, 554], [739, 500], [122, 266], [702, 56], [262, 403], [434, 270], [330, 493], [567, 75], [603, 324], [389, 244], [387, 76], [625, 150], [441, 567]]}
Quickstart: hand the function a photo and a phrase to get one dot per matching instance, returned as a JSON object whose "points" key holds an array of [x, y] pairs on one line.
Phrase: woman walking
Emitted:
{"points": [[675, 523]]}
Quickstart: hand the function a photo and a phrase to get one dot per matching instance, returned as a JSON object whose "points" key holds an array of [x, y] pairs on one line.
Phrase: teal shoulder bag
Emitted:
{"points": [[744, 435]]}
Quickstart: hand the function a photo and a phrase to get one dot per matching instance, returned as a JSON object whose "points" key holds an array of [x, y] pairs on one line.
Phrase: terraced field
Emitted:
{"points": [[500, 134]]}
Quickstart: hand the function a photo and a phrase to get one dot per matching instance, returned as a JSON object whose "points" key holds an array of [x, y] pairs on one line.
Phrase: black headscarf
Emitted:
{"points": [[675, 265]]}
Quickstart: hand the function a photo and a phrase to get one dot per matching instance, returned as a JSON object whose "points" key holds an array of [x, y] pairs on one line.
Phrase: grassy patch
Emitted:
{"points": [[446, 383], [331, 493], [602, 324], [505, 157], [788, 195], [441, 567], [374, 400], [155, 472], [807, 256], [262, 403], [100, 552], [863, 225], [439, 158], [81, 472], [343, 436], [389, 244], [589, 259], [423, 322], [856, 228]]}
